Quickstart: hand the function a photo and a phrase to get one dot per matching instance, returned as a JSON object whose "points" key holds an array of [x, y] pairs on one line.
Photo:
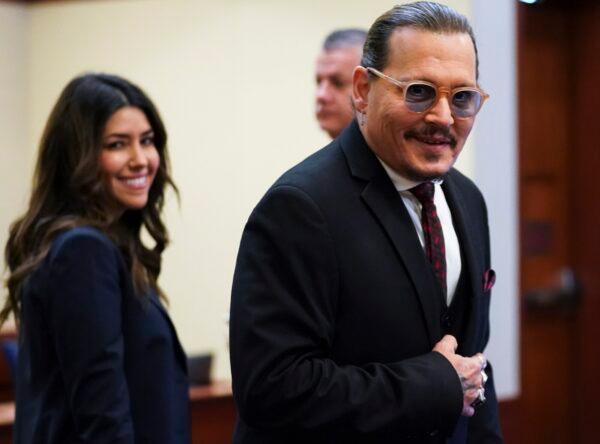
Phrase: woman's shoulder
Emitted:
{"points": [[78, 257], [85, 239]]}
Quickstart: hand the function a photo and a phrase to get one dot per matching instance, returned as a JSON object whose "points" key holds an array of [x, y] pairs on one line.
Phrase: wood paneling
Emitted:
{"points": [[584, 162], [212, 415], [559, 211], [544, 127], [7, 392]]}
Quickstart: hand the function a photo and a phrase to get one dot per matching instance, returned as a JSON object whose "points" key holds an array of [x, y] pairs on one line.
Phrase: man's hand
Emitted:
{"points": [[468, 369]]}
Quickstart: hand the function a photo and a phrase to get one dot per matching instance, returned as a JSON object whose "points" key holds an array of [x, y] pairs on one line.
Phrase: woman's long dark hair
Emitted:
{"points": [[68, 190]]}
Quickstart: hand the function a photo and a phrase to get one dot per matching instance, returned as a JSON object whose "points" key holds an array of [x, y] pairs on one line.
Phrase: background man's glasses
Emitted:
{"points": [[420, 96]]}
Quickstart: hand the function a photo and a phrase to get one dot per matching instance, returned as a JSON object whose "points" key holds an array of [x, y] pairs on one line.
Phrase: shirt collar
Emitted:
{"points": [[400, 182]]}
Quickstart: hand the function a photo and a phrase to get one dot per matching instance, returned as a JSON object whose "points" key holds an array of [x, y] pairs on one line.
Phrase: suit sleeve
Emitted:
{"points": [[484, 426], [282, 328], [84, 300]]}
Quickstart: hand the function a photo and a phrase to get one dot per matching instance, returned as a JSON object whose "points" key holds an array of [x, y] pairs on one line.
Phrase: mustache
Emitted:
{"points": [[432, 130]]}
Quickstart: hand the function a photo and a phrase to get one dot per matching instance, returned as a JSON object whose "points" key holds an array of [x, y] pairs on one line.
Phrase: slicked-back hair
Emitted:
{"points": [[345, 38], [422, 15]]}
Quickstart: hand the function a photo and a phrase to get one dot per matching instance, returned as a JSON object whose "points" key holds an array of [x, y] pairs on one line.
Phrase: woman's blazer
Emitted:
{"points": [[97, 364]]}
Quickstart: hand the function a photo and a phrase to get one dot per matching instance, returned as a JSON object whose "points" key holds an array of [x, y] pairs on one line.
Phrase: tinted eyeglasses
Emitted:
{"points": [[420, 96]]}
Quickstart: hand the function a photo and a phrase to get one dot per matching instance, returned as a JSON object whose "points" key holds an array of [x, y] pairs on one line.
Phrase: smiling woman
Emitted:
{"points": [[99, 359], [129, 159]]}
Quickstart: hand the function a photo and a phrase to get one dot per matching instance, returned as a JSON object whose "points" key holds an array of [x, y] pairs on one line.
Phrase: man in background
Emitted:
{"points": [[339, 56]]}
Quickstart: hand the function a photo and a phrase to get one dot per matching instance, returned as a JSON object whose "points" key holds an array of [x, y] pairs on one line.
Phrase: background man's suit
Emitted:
{"points": [[335, 310]]}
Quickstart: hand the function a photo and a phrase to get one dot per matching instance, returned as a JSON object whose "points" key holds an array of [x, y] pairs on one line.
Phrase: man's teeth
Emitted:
{"points": [[435, 141]]}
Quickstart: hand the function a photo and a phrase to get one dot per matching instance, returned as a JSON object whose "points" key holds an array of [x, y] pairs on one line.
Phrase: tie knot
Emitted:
{"points": [[424, 192]]}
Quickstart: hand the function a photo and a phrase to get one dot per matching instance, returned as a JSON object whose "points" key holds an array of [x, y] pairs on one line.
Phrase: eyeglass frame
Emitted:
{"points": [[439, 90]]}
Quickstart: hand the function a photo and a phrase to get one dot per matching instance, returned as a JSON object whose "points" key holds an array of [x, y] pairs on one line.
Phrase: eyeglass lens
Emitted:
{"points": [[419, 97]]}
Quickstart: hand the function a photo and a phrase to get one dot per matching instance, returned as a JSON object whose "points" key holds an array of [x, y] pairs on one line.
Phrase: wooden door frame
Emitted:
{"points": [[577, 23]]}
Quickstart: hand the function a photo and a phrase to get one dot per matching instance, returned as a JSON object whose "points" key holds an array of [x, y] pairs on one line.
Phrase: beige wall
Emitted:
{"points": [[15, 162], [234, 82]]}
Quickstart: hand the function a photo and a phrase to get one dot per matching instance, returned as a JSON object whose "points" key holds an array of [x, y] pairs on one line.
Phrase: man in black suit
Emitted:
{"points": [[360, 302]]}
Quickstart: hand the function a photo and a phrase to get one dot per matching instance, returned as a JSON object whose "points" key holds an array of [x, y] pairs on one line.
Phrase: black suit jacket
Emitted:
{"points": [[96, 363], [335, 310]]}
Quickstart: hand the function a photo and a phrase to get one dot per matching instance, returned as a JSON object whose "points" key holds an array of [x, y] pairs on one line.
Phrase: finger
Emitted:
{"points": [[470, 372], [484, 377], [473, 366], [468, 384], [446, 346], [480, 380], [470, 395], [468, 411], [450, 342]]}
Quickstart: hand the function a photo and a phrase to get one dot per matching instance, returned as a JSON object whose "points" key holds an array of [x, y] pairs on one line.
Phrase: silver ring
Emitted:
{"points": [[484, 377], [480, 397], [482, 360], [481, 394]]}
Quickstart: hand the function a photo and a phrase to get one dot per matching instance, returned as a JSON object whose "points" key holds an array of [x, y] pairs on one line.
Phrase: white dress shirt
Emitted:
{"points": [[453, 262]]}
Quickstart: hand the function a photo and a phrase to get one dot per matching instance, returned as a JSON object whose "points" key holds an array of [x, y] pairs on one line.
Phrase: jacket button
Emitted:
{"points": [[446, 321]]}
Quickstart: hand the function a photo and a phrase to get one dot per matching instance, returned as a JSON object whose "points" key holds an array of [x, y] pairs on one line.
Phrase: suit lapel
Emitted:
{"points": [[181, 355], [466, 232], [383, 200]]}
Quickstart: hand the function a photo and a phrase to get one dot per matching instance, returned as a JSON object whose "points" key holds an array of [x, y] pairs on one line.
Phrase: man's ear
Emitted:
{"points": [[360, 89]]}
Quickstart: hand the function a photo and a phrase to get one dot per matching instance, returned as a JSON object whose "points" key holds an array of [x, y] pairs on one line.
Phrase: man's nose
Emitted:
{"points": [[440, 113], [323, 91]]}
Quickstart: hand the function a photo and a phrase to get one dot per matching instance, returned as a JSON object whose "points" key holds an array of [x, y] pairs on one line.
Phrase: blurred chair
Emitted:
{"points": [[199, 367], [10, 349]]}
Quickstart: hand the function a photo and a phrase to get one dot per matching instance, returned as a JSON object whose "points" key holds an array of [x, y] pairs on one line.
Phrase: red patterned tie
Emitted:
{"points": [[432, 231]]}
